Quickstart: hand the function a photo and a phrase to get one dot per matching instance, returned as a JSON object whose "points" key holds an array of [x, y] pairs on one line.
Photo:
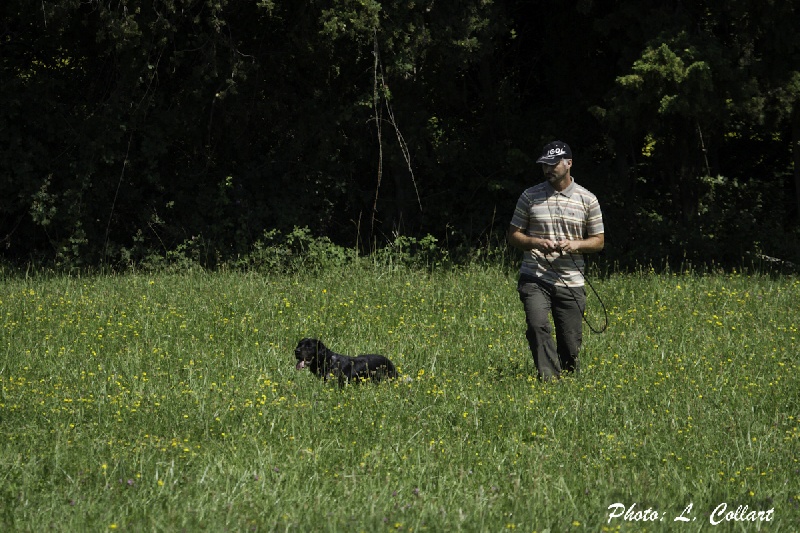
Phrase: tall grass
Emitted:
{"points": [[171, 402]]}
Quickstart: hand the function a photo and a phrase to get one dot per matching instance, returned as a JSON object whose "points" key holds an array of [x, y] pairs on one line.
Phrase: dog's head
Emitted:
{"points": [[309, 352]]}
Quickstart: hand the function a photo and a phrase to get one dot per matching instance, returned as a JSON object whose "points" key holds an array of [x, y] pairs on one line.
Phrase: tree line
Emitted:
{"points": [[134, 128]]}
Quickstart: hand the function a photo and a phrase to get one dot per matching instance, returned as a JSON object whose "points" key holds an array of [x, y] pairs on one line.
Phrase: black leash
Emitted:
{"points": [[585, 262], [574, 297]]}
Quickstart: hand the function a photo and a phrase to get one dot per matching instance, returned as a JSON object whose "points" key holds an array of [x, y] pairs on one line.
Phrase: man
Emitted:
{"points": [[555, 223]]}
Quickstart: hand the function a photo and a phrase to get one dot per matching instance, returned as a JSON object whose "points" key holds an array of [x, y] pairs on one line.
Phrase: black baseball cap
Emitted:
{"points": [[555, 152]]}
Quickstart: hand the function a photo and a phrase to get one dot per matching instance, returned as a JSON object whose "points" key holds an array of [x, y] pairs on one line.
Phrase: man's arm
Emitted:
{"points": [[517, 238]]}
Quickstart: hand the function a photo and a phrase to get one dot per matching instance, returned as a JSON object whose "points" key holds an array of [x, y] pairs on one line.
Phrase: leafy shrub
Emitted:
{"points": [[406, 251], [295, 251]]}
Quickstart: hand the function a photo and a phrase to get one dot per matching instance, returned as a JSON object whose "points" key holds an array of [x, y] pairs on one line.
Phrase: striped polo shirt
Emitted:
{"points": [[546, 213]]}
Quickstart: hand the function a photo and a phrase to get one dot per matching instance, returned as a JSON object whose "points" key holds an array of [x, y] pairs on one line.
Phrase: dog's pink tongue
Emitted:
{"points": [[300, 365]]}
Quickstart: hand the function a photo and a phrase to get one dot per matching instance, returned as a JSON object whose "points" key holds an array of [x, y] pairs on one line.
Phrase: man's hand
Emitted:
{"points": [[566, 246], [546, 246], [592, 244]]}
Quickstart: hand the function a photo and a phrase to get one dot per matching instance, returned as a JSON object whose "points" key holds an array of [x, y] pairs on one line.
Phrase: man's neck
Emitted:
{"points": [[562, 184]]}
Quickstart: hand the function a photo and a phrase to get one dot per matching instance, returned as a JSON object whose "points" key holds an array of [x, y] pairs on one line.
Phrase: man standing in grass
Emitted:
{"points": [[554, 224]]}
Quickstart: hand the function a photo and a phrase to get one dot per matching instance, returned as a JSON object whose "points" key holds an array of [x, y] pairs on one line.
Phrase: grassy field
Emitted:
{"points": [[171, 402]]}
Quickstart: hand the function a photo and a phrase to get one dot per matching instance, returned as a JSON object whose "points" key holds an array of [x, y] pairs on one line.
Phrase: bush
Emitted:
{"points": [[297, 250]]}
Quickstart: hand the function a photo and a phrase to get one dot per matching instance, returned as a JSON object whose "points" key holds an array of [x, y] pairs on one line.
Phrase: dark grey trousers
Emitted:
{"points": [[566, 305]]}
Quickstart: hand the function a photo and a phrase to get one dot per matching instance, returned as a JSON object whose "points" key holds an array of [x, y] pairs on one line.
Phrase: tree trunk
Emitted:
{"points": [[796, 158]]}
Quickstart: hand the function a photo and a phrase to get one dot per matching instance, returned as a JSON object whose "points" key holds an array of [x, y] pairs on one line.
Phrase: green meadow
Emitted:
{"points": [[170, 402]]}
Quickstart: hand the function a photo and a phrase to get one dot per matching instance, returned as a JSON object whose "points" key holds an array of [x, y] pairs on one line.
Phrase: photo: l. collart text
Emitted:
{"points": [[721, 513]]}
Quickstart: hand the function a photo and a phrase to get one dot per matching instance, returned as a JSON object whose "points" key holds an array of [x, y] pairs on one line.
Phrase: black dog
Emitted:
{"points": [[312, 354]]}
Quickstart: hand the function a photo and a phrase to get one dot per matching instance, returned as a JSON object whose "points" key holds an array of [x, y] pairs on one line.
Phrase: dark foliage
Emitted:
{"points": [[131, 131]]}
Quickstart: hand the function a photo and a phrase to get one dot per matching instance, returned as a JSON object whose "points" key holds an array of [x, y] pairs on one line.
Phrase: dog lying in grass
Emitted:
{"points": [[312, 354]]}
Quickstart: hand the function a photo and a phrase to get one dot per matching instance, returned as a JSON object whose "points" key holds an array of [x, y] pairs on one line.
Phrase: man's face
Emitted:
{"points": [[557, 172]]}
